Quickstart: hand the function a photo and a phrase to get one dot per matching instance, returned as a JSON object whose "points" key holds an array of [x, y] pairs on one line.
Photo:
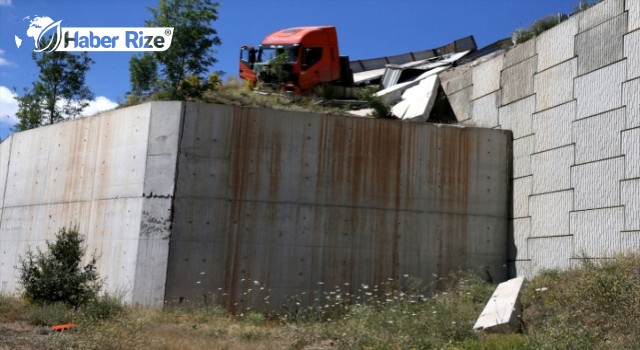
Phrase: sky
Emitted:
{"points": [[366, 29]]}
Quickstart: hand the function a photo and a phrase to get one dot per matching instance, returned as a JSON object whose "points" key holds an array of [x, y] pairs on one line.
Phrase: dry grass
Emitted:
{"points": [[596, 306]]}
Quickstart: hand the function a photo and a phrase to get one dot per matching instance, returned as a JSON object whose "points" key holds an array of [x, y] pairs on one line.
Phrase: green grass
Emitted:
{"points": [[594, 306]]}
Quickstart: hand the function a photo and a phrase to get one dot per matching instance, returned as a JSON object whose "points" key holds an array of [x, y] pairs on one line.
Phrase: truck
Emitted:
{"points": [[299, 60]]}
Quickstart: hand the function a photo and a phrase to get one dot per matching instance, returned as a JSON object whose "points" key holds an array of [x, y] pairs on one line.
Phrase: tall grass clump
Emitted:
{"points": [[596, 306]]}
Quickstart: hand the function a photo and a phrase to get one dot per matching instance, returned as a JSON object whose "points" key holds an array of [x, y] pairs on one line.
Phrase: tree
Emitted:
{"points": [[194, 38], [143, 72], [60, 92], [56, 276]]}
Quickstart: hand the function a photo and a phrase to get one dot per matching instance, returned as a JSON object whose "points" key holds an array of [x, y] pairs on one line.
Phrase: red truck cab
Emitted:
{"points": [[297, 58]]}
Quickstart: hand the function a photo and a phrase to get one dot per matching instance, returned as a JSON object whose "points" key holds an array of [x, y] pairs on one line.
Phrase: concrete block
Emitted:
{"points": [[550, 252], [520, 53], [521, 193], [503, 311], [596, 233], [596, 184], [460, 102], [456, 79], [633, 8], [557, 45], [486, 77], [517, 116], [630, 199], [484, 111], [518, 249], [631, 151], [629, 241], [521, 268], [517, 81], [609, 40], [554, 86], [552, 127], [552, 169], [599, 91], [600, 13], [522, 150], [598, 137], [550, 214], [632, 53], [631, 99]]}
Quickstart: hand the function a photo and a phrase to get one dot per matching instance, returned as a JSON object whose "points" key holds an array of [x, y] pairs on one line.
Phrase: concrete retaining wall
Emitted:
{"points": [[300, 203], [204, 202], [572, 99]]}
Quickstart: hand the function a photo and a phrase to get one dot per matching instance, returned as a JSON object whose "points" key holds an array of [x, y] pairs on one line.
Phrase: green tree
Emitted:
{"points": [[143, 72], [56, 275], [59, 93], [194, 38]]}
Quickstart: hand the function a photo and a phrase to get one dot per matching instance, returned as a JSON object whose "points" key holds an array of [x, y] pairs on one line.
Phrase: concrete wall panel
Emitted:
{"points": [[517, 116], [517, 81], [456, 79], [520, 53], [600, 13], [484, 111], [632, 53], [633, 8], [522, 150], [630, 198], [609, 35], [631, 150], [554, 86], [596, 233], [552, 127], [460, 103], [549, 213], [557, 45], [333, 200], [552, 169], [522, 189], [5, 152], [486, 77], [631, 99], [598, 137], [629, 241], [519, 240], [597, 184], [550, 253], [600, 91]]}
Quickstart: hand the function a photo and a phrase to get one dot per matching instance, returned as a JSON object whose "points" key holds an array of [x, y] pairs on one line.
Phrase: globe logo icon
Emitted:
{"points": [[39, 28]]}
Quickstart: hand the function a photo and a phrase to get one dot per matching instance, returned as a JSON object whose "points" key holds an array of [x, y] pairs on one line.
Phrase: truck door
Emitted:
{"points": [[247, 59], [310, 69]]}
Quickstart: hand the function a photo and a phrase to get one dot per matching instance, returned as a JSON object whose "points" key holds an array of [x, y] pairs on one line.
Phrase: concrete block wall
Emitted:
{"points": [[572, 99]]}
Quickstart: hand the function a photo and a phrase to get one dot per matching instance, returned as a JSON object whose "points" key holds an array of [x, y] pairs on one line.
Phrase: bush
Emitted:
{"points": [[55, 276], [103, 308], [381, 110], [49, 315]]}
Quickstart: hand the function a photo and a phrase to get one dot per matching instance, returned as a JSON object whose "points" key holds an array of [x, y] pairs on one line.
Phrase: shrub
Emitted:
{"points": [[381, 110], [49, 315], [103, 308], [55, 276]]}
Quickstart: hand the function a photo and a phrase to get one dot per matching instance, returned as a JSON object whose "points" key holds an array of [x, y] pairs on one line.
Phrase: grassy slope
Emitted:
{"points": [[592, 307]]}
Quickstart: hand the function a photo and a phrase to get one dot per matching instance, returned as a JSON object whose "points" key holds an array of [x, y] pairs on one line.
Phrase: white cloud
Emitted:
{"points": [[5, 2], [3, 61], [100, 104], [8, 107]]}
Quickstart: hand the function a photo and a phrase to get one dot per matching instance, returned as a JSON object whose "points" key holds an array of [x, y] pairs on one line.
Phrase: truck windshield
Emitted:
{"points": [[279, 54]]}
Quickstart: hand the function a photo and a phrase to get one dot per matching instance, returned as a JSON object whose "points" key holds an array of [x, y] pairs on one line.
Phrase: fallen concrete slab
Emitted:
{"points": [[418, 101], [394, 93], [361, 77], [503, 311]]}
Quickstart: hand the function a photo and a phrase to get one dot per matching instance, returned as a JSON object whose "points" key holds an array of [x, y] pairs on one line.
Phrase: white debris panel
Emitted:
{"points": [[418, 101], [503, 311]]}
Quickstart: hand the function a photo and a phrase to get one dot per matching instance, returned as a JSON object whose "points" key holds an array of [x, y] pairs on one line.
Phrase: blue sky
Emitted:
{"points": [[366, 28]]}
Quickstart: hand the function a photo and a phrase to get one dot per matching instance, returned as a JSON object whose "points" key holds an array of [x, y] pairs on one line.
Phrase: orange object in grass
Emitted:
{"points": [[62, 327]]}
